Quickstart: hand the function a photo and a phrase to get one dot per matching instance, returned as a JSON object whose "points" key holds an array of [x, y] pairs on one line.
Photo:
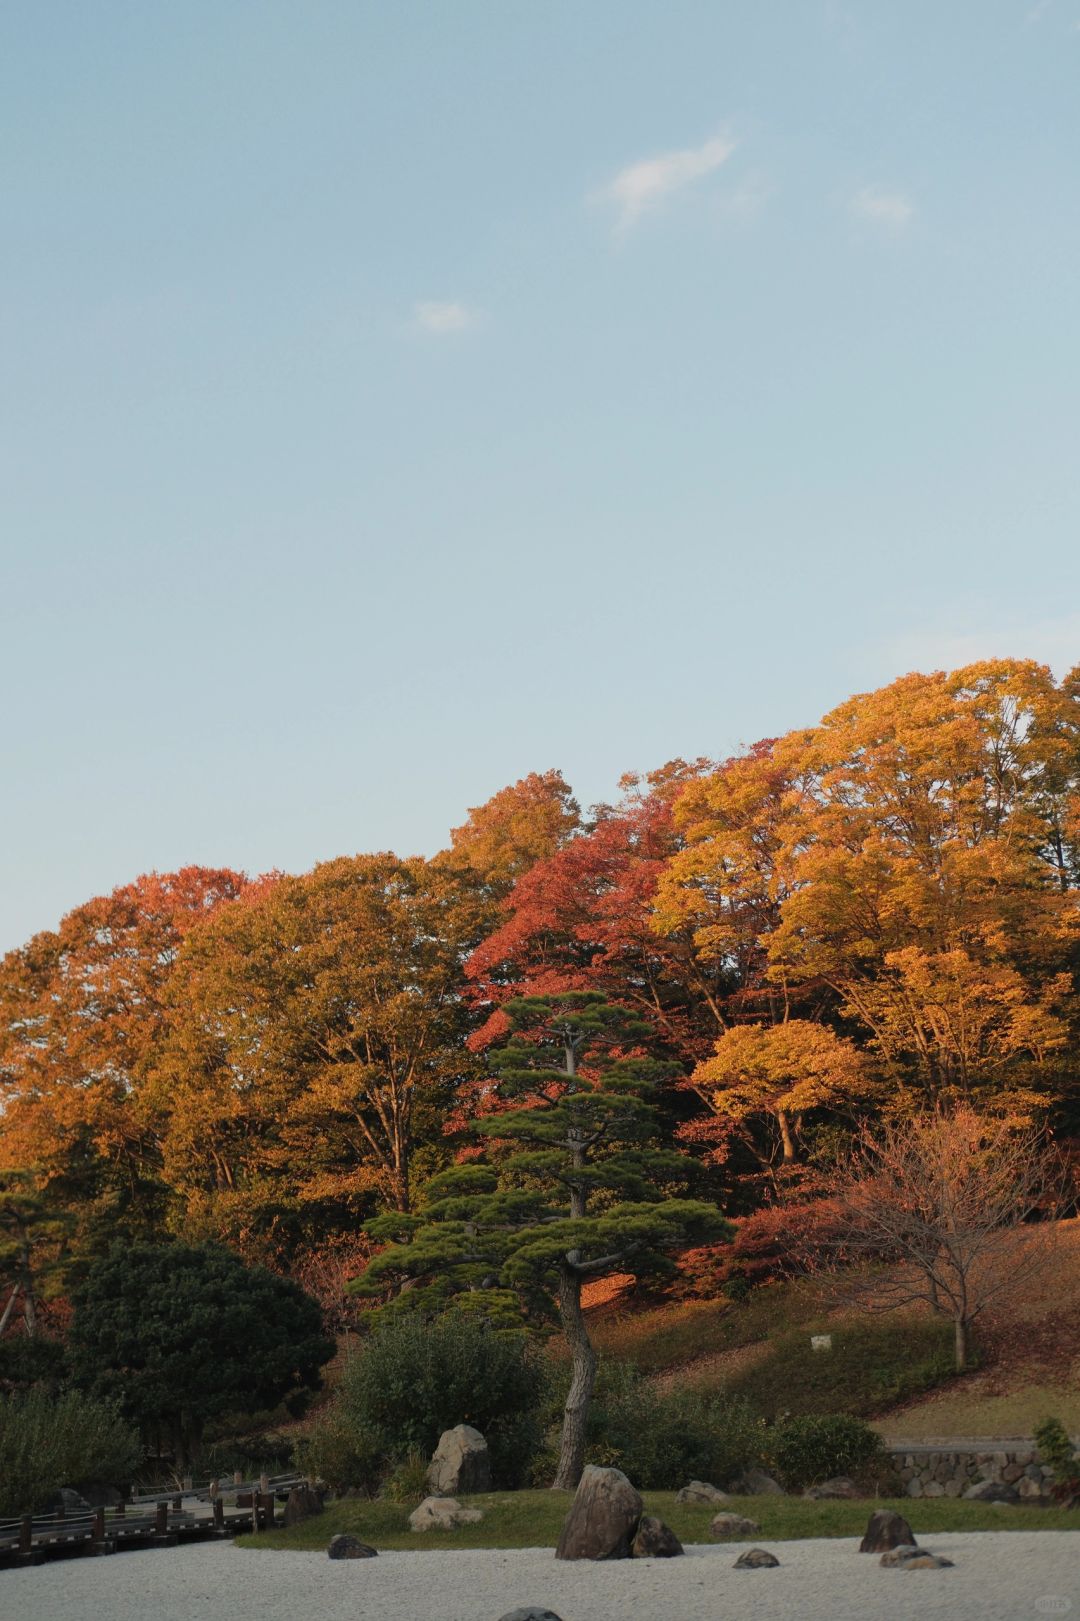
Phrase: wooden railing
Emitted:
{"points": [[150, 1520]]}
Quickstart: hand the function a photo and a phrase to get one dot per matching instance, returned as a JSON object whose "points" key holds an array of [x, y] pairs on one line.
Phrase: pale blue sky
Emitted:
{"points": [[396, 398]]}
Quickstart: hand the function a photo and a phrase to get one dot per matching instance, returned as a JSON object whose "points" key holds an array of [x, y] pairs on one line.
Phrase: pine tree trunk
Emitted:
{"points": [[582, 1379]]}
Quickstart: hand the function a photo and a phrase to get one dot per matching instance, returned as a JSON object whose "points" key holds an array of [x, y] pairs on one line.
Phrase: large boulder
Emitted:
{"points": [[733, 1527], [756, 1559], [886, 1529], [460, 1463], [603, 1517], [654, 1540], [699, 1491], [442, 1514], [756, 1483], [344, 1546], [301, 1503]]}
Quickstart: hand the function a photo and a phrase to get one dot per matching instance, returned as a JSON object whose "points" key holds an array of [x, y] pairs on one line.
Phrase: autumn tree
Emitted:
{"points": [[573, 1186], [909, 859], [82, 1015], [581, 918], [944, 1199], [314, 1032], [514, 829], [775, 1076]]}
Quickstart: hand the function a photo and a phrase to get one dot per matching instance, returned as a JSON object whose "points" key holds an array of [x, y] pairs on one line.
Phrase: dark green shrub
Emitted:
{"points": [[818, 1446], [48, 1441], [874, 1363], [25, 1362], [179, 1336], [416, 1377]]}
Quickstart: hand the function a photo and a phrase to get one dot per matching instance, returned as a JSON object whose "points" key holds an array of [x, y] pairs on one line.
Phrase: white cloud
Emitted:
{"points": [[641, 186], [442, 318], [890, 209]]}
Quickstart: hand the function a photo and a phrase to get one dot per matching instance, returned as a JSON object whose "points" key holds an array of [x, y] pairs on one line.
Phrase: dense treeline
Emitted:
{"points": [[875, 914]]}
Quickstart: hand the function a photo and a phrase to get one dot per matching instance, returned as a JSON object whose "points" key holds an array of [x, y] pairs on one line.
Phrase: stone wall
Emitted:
{"points": [[929, 1472]]}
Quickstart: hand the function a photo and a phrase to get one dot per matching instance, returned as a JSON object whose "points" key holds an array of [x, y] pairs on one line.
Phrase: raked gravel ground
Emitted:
{"points": [[999, 1576]]}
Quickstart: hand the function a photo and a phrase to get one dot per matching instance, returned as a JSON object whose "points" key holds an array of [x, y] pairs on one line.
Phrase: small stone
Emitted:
{"points": [[756, 1559], [886, 1530], [914, 1559], [733, 1527], [442, 1514], [756, 1483], [531, 1612], [840, 1486], [654, 1540], [699, 1491], [344, 1546], [933, 1488], [992, 1491]]}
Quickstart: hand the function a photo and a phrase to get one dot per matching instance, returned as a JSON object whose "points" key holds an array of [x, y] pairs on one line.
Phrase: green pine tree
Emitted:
{"points": [[573, 1185]]}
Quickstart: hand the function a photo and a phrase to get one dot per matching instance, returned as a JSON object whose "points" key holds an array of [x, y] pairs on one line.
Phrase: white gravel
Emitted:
{"points": [[999, 1576]]}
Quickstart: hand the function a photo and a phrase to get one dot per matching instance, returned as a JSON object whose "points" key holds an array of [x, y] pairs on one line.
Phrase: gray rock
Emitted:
{"points": [[344, 1546], [301, 1504], [699, 1491], [906, 1558], [530, 1613], [70, 1503], [99, 1495], [839, 1486], [886, 1530], [654, 1540], [442, 1514], [460, 1463], [733, 1527], [756, 1483], [756, 1559], [603, 1517], [992, 1491]]}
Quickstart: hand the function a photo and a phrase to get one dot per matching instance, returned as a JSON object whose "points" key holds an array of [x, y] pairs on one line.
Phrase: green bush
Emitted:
{"points": [[660, 1440], [408, 1483], [874, 1363], [48, 1441], [416, 1377], [335, 1451], [1055, 1449], [818, 1446]]}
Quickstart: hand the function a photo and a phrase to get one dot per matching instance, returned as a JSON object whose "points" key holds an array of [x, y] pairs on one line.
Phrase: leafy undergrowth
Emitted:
{"points": [[873, 1363], [675, 1335], [533, 1519]]}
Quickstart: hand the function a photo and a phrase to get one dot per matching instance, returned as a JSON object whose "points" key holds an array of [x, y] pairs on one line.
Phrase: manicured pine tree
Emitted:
{"points": [[573, 1185]]}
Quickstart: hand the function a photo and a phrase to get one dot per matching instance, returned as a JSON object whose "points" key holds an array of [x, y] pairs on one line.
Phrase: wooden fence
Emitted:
{"points": [[149, 1520]]}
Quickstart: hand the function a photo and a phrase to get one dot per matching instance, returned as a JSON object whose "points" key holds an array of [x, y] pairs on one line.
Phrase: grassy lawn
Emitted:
{"points": [[533, 1519]]}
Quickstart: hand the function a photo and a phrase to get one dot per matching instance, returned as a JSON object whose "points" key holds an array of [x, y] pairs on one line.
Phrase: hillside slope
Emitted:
{"points": [[1028, 1343]]}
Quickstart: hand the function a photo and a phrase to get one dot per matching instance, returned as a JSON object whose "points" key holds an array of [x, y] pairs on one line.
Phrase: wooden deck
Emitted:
{"points": [[151, 1520]]}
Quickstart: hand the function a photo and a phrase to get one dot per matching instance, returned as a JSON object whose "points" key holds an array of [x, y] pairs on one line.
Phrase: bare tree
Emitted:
{"points": [[957, 1205]]}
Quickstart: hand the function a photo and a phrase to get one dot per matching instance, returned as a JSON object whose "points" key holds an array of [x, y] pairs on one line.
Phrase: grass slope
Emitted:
{"points": [[533, 1520]]}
